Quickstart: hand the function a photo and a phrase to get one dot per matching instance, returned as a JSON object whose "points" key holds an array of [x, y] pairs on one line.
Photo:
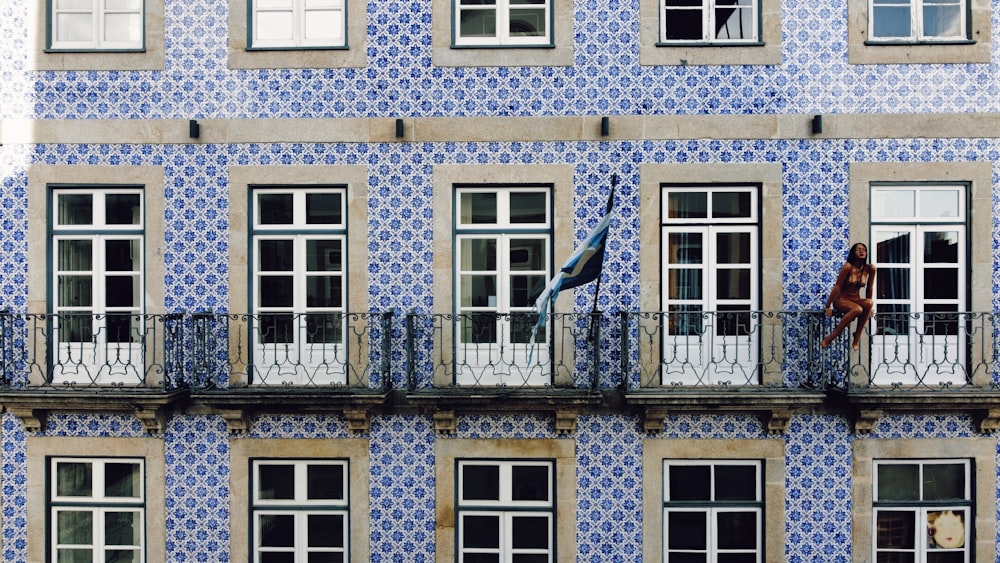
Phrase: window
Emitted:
{"points": [[919, 246], [505, 510], [297, 23], [709, 21], [299, 284], [922, 510], [503, 22], [300, 510], [710, 283], [105, 25], [97, 509], [97, 239], [712, 510], [918, 20], [502, 260]]}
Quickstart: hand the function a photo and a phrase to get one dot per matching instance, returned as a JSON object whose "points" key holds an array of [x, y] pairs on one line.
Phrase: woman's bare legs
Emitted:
{"points": [[851, 310], [866, 313]]}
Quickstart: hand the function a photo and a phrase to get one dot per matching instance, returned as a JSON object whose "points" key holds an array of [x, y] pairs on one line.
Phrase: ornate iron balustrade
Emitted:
{"points": [[491, 350]]}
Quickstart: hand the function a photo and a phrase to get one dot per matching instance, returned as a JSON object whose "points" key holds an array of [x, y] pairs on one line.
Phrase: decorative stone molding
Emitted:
{"points": [[776, 421], [358, 421], [652, 420], [153, 420], [237, 420], [445, 422], [866, 420], [566, 421], [988, 421], [32, 420]]}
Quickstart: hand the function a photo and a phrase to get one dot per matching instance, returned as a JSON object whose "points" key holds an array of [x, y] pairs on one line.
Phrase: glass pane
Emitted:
{"points": [[324, 255], [683, 25], [275, 209], [946, 529], [276, 329], [121, 291], [895, 529], [479, 291], [736, 482], [940, 283], [732, 284], [326, 557], [326, 530], [530, 532], [893, 319], [76, 328], [687, 205], [75, 255], [275, 26], [122, 209], [894, 203], [478, 23], [325, 25], [686, 530], [727, 205], [898, 481], [689, 483], [685, 320], [75, 291], [737, 530], [530, 482], [275, 255], [324, 291], [122, 27], [524, 290], [122, 328], [733, 23], [276, 291], [944, 481], [277, 530], [74, 479], [121, 480], [325, 329], [75, 527], [941, 320], [684, 248], [479, 254], [480, 558], [892, 247], [479, 328], [480, 482], [74, 556], [275, 482], [528, 207], [737, 558], [324, 209], [325, 482], [684, 284], [941, 247], [74, 27], [942, 203], [121, 255], [122, 528], [734, 320], [732, 248], [122, 4], [477, 208], [480, 531], [527, 22], [74, 4], [527, 254], [277, 557], [892, 283]]}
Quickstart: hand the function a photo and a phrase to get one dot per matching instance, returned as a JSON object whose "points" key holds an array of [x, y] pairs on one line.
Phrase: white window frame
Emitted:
{"points": [[708, 10], [712, 508], [919, 357], [502, 10], [921, 508], [299, 12], [99, 13], [505, 509], [300, 507], [916, 9], [298, 361], [98, 505], [504, 353], [709, 357], [98, 360]]}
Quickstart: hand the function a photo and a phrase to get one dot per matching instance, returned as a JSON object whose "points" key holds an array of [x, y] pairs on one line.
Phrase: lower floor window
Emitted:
{"points": [[712, 511], [922, 511], [506, 511], [300, 511], [97, 509]]}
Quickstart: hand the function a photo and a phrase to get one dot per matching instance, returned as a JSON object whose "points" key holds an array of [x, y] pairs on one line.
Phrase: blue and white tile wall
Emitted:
{"points": [[606, 79]]}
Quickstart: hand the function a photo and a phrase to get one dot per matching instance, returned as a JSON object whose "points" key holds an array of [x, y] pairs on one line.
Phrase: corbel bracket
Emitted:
{"points": [[866, 420], [153, 420], [776, 421], [988, 421], [32, 420], [237, 420], [566, 421], [652, 419], [445, 422], [358, 421]]}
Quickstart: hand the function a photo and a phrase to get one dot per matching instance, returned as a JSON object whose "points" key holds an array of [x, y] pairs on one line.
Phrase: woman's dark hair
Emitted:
{"points": [[853, 259]]}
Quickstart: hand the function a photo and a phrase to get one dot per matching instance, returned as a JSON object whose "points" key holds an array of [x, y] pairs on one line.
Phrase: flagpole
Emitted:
{"points": [[597, 287]]}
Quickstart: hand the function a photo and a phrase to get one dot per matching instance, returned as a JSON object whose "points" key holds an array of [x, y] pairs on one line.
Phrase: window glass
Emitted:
{"points": [[503, 22], [918, 20], [711, 21]]}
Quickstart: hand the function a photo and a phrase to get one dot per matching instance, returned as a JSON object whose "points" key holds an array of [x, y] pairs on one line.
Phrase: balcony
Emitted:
{"points": [[653, 363]]}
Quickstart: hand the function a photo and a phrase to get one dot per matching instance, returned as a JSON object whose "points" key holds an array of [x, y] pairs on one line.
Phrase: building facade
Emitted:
{"points": [[268, 274]]}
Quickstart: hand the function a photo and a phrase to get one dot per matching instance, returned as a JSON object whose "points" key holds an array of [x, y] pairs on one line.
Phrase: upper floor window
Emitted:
{"points": [[709, 21], [918, 20], [506, 510], [277, 24], [96, 509], [503, 22], [300, 510], [96, 25], [299, 285]]}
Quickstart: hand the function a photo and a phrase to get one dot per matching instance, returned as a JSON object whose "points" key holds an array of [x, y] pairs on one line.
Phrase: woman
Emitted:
{"points": [[846, 298]]}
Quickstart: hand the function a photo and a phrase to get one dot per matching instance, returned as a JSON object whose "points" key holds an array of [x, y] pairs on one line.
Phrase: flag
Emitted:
{"points": [[583, 266]]}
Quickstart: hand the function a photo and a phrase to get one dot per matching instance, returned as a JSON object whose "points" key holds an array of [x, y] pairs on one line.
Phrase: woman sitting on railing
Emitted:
{"points": [[846, 298]]}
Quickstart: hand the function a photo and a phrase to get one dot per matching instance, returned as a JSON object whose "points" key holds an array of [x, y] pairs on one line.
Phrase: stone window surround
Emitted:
{"points": [[448, 450], [354, 55], [152, 57], [770, 451], [982, 452], [443, 53], [654, 53], [39, 448], [356, 450]]}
